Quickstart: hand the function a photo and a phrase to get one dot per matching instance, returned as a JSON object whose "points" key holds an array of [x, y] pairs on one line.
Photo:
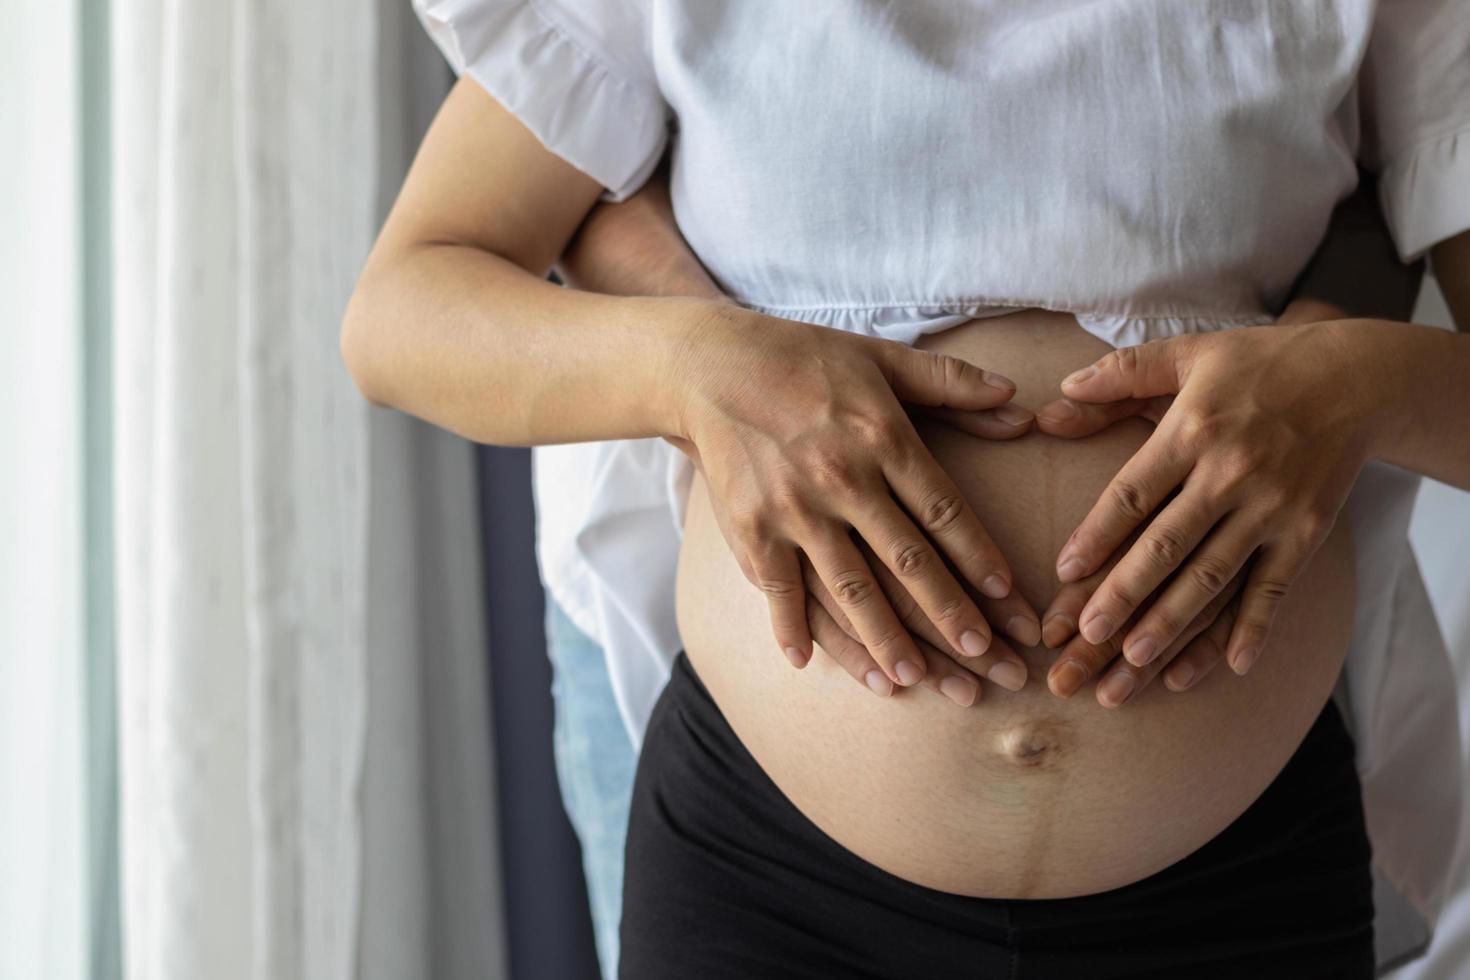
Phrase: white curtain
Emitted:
{"points": [[297, 576], [43, 908]]}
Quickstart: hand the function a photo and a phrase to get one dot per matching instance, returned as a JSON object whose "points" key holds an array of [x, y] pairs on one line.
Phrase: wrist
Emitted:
{"points": [[1378, 371], [700, 336]]}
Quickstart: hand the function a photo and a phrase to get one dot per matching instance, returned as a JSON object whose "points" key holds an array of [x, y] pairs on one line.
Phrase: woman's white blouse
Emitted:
{"points": [[895, 168]]}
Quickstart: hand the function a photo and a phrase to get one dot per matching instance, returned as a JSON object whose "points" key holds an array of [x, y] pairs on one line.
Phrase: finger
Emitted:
{"points": [[925, 378], [1014, 616], [1112, 694], [1059, 622], [851, 582], [778, 575], [1149, 476], [850, 655], [916, 564], [1000, 661], [927, 492], [1203, 577], [1269, 580], [1163, 546], [1079, 662], [948, 678], [1006, 422], [1202, 653], [1070, 419], [817, 589], [1158, 367]]}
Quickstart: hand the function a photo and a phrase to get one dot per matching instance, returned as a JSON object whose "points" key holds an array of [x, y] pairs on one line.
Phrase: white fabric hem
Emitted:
{"points": [[1424, 193]]}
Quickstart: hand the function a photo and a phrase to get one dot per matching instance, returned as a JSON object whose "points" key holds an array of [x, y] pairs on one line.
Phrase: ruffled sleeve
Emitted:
{"points": [[1426, 192], [580, 81], [1416, 116]]}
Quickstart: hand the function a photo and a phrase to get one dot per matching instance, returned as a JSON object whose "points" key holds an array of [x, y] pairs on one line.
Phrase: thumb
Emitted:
{"points": [[1158, 367], [925, 378]]}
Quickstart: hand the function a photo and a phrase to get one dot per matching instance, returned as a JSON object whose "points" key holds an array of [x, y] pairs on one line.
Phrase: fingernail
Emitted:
{"points": [[1013, 414], [1097, 629], [1057, 629], [1115, 689], [958, 690], [1182, 676], [1061, 410], [1023, 630], [908, 673], [995, 587], [1244, 659], [1067, 678], [794, 655], [1009, 675], [973, 644], [1077, 377], [998, 381], [1141, 651], [1070, 569], [879, 683]]}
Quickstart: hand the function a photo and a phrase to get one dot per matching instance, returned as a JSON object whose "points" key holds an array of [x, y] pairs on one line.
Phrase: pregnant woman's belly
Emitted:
{"points": [[1022, 795]]}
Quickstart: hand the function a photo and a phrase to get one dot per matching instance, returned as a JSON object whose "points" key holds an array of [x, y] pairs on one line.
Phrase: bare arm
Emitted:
{"points": [[452, 311], [634, 248], [796, 426]]}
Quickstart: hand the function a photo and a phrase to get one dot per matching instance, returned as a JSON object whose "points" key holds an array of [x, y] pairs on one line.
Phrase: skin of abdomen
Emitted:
{"points": [[1022, 795]]}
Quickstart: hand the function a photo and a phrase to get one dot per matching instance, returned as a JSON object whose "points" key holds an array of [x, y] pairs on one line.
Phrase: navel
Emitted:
{"points": [[1032, 744]]}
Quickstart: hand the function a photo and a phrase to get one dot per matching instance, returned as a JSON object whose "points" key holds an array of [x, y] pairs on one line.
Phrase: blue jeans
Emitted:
{"points": [[595, 761]]}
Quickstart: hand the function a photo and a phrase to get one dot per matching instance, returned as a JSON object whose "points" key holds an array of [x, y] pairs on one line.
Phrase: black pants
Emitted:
{"points": [[726, 879]]}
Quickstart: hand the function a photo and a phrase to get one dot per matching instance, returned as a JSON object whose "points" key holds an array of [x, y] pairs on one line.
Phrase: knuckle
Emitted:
{"points": [[835, 474], [1120, 601], [941, 369], [1125, 359], [909, 558], [750, 527], [852, 588], [785, 501], [948, 611], [1129, 499], [1315, 524], [1271, 590], [778, 590], [885, 640], [1167, 621], [1165, 545], [941, 510], [1197, 428], [875, 431], [1210, 574], [1242, 460]]}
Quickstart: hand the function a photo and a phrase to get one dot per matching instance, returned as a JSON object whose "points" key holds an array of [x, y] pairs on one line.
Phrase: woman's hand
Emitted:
{"points": [[1182, 665], [832, 629], [1266, 434], [801, 436]]}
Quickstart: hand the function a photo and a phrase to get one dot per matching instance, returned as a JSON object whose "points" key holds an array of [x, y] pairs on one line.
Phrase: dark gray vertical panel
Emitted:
{"points": [[548, 922]]}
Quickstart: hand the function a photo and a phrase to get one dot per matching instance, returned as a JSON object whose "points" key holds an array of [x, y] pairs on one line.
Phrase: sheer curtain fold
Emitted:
{"points": [[248, 159]]}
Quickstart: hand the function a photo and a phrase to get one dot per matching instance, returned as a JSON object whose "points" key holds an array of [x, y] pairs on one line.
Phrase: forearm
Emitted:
{"points": [[1425, 422], [634, 248], [475, 344]]}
